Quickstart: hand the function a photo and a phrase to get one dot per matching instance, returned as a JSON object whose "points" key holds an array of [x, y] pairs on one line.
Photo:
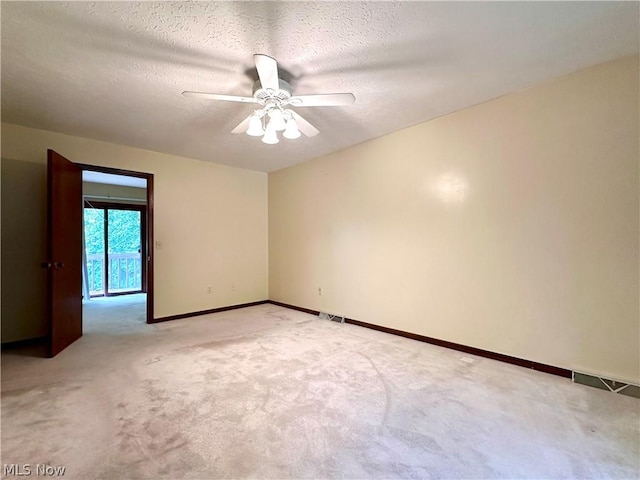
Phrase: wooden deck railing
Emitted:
{"points": [[125, 272]]}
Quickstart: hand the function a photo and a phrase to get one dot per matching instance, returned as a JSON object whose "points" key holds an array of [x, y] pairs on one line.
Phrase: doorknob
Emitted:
{"points": [[52, 264]]}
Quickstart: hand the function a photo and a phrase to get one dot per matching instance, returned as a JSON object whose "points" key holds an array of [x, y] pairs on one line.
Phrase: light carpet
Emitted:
{"points": [[268, 392]]}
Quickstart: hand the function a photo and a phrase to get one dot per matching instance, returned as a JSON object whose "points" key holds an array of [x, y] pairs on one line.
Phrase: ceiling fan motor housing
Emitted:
{"points": [[263, 94]]}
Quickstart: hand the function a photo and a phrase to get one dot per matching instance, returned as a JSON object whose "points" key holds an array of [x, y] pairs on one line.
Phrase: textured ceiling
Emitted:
{"points": [[114, 71]]}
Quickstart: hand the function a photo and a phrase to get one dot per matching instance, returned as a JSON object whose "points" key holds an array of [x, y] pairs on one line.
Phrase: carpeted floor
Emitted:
{"points": [[267, 392]]}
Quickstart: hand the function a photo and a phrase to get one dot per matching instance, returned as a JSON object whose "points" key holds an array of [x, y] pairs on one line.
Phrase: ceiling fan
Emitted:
{"points": [[274, 95]]}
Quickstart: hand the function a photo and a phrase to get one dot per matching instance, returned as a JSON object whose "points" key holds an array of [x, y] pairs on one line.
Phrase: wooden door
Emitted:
{"points": [[64, 251]]}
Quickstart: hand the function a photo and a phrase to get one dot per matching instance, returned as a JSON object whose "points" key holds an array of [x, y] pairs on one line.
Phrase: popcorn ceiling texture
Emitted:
{"points": [[114, 71]]}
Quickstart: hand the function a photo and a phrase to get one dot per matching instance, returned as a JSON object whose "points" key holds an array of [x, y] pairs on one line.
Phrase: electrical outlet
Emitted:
{"points": [[320, 291], [233, 288], [209, 289]]}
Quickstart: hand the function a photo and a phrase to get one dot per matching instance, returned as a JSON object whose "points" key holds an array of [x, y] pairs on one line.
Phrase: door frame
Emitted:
{"points": [[143, 247], [148, 240]]}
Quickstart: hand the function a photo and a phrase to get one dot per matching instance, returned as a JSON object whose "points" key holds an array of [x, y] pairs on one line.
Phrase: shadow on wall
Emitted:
{"points": [[24, 187]]}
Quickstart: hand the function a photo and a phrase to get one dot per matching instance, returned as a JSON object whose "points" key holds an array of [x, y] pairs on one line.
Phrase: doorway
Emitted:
{"points": [[117, 239]]}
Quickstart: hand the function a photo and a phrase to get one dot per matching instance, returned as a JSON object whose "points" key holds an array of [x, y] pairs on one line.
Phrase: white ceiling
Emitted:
{"points": [[111, 179], [114, 71]]}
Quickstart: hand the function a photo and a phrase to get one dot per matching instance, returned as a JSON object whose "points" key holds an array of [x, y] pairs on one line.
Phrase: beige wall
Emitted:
{"points": [[511, 226], [24, 186], [211, 221]]}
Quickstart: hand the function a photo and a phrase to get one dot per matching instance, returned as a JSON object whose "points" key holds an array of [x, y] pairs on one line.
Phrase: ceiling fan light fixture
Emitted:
{"points": [[273, 95], [291, 132], [255, 126]]}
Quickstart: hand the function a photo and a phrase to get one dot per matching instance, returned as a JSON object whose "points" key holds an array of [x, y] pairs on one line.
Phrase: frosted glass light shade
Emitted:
{"points": [[270, 135], [291, 132], [255, 127], [277, 119]]}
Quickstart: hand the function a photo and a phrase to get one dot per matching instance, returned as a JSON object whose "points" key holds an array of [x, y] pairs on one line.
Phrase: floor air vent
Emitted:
{"points": [[333, 318], [614, 386]]}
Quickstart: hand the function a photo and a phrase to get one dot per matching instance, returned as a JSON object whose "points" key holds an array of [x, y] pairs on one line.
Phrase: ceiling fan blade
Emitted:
{"points": [[323, 100], [304, 126], [267, 68], [242, 127], [215, 96]]}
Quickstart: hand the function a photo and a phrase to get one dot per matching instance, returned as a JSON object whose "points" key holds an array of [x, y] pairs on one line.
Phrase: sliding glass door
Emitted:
{"points": [[114, 248]]}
